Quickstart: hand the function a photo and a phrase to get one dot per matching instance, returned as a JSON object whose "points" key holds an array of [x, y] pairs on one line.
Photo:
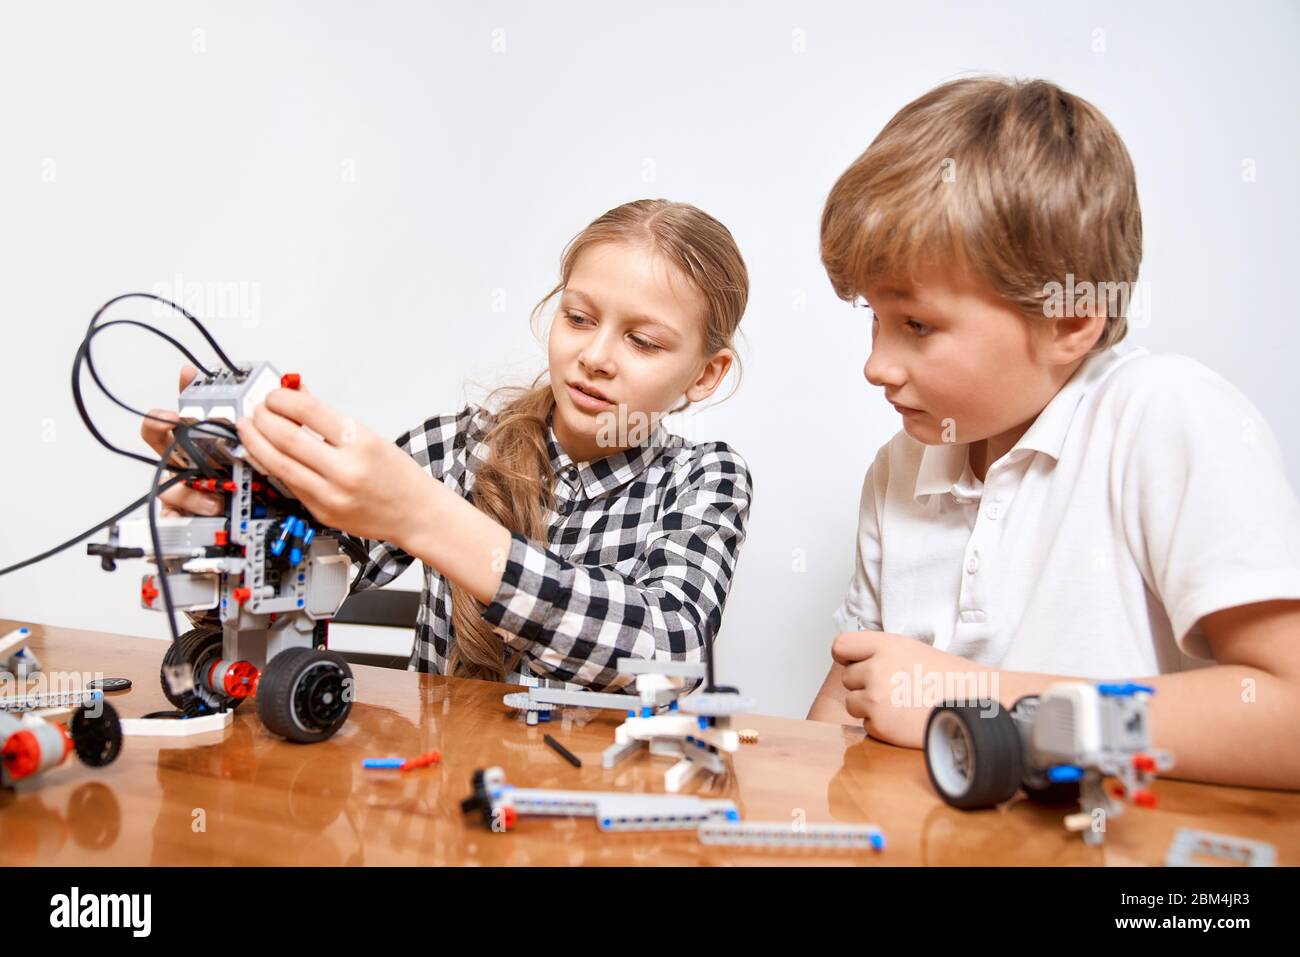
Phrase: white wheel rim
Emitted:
{"points": [[952, 754]]}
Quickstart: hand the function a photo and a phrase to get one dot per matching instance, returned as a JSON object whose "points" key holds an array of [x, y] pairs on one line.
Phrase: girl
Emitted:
{"points": [[565, 529]]}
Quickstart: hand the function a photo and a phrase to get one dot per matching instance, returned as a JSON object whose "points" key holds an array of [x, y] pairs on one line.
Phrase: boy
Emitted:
{"points": [[1059, 504]]}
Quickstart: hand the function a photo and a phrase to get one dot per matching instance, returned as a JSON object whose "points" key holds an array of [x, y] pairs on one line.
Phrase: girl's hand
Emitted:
{"points": [[178, 500], [353, 480], [894, 681]]}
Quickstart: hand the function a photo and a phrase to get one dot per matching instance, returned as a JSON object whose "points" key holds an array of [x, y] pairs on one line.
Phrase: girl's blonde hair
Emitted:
{"points": [[515, 484]]}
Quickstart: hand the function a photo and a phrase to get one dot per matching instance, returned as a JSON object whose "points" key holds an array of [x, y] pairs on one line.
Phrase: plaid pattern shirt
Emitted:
{"points": [[641, 548]]}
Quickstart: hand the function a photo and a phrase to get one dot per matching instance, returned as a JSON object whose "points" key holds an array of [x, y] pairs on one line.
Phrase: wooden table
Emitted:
{"points": [[244, 796]]}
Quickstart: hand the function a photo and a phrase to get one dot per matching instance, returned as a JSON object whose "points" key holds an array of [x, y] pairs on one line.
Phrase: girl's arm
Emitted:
{"points": [[574, 621], [433, 445]]}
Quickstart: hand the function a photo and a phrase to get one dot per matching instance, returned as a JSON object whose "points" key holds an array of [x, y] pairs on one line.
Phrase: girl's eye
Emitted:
{"points": [[920, 328], [576, 319], [645, 344]]}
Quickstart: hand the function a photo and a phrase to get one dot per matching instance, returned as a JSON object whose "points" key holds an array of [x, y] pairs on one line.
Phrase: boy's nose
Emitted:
{"points": [[881, 372]]}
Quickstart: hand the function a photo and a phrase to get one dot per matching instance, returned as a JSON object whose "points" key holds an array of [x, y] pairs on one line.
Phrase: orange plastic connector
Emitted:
{"points": [[241, 595], [148, 591], [423, 761], [21, 754], [290, 380], [1144, 799], [221, 537], [1144, 762]]}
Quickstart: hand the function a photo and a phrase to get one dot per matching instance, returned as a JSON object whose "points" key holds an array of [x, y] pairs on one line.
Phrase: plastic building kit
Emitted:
{"points": [[1188, 844], [714, 821], [15, 658], [694, 730], [32, 741], [31, 744], [1058, 747], [272, 576], [501, 804], [782, 834], [428, 759], [538, 703]]}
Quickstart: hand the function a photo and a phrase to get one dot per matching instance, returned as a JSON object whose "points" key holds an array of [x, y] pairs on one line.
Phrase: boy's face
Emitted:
{"points": [[959, 364]]}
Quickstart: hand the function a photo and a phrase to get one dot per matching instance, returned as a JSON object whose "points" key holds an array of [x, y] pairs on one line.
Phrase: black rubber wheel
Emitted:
{"points": [[1037, 788], [198, 648], [973, 754], [98, 739], [304, 694]]}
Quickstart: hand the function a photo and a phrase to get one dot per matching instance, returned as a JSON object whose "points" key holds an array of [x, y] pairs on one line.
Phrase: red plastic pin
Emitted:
{"points": [[423, 761], [290, 380]]}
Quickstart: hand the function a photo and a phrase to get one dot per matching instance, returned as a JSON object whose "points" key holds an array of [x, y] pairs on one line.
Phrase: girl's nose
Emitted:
{"points": [[597, 356]]}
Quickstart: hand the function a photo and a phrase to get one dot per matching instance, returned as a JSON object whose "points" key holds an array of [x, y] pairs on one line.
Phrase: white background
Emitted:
{"points": [[389, 186]]}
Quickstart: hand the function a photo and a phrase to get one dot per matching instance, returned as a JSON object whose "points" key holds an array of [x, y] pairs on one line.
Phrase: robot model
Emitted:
{"points": [[1057, 746], [267, 578]]}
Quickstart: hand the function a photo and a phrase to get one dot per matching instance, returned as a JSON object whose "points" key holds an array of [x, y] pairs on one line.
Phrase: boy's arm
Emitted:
{"points": [[1235, 722], [861, 605], [829, 703]]}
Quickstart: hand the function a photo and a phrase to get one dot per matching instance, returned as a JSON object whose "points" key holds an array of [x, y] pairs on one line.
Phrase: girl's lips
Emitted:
{"points": [[588, 403], [905, 410]]}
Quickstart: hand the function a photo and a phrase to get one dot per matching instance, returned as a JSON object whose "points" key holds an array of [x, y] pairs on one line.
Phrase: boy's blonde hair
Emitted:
{"points": [[1017, 182]]}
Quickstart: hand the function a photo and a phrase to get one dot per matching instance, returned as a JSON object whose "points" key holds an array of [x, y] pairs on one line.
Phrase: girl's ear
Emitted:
{"points": [[711, 376]]}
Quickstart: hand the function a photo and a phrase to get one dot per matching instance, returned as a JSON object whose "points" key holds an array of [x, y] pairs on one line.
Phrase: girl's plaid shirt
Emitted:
{"points": [[640, 552]]}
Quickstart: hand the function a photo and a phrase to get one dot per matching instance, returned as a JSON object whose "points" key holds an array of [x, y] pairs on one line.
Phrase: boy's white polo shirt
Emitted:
{"points": [[1147, 494]]}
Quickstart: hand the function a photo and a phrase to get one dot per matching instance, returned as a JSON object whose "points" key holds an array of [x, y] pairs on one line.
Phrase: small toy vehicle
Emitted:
{"points": [[1057, 747], [30, 745], [269, 575]]}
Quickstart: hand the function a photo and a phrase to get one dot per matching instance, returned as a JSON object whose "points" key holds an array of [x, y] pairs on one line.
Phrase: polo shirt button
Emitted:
{"points": [[994, 511], [973, 565]]}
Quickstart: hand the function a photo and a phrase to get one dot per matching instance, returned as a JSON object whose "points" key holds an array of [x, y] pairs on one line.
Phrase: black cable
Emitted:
{"points": [[154, 537], [179, 346], [94, 320], [83, 355], [179, 477]]}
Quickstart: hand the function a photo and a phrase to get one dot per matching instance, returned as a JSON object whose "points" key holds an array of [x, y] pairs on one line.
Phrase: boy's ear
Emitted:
{"points": [[1072, 336], [711, 376]]}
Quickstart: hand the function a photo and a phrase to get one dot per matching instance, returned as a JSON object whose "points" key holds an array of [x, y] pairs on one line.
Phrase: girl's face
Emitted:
{"points": [[626, 344]]}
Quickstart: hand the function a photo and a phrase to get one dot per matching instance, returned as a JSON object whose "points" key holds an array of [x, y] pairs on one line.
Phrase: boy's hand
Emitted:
{"points": [[894, 681], [178, 500], [354, 480]]}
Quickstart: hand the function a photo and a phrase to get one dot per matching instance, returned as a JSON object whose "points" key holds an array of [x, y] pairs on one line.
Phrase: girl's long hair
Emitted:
{"points": [[516, 484]]}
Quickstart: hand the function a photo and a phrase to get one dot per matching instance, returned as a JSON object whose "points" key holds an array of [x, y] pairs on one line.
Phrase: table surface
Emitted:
{"points": [[243, 796]]}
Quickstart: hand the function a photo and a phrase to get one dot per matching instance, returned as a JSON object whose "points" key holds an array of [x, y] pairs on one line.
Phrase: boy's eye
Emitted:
{"points": [[576, 319], [645, 344], [920, 328]]}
